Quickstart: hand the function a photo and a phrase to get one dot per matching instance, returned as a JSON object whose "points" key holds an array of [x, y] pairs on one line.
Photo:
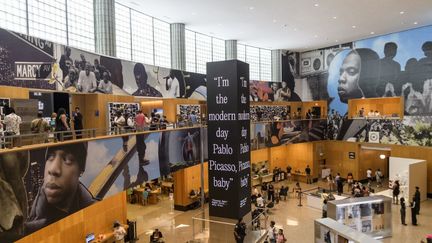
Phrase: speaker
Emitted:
{"points": [[374, 137], [312, 63]]}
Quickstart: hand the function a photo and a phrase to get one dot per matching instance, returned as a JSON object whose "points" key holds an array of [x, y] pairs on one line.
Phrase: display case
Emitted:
{"points": [[328, 230], [370, 215], [387, 107]]}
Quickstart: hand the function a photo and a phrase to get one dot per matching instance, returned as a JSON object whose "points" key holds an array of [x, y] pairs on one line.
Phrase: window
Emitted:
{"points": [[81, 24], [47, 20], [253, 58], [201, 49], [259, 61], [123, 33], [142, 38], [218, 48], [162, 43], [241, 52], [13, 15], [203, 52], [265, 65], [190, 51]]}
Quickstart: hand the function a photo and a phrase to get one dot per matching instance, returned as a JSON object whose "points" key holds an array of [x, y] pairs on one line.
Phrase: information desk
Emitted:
{"points": [[109, 236], [328, 230], [301, 177], [152, 197], [316, 201], [267, 178], [370, 215]]}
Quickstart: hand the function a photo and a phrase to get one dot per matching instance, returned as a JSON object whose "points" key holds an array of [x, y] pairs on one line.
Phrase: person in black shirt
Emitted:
{"points": [[417, 199], [403, 210], [156, 236], [414, 211], [308, 175], [78, 122], [240, 231], [271, 193]]}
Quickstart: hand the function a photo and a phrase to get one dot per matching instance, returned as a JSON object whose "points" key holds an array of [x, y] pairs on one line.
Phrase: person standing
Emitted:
{"points": [[39, 126], [350, 180], [119, 232], [105, 86], [240, 231], [369, 175], [140, 121], [414, 212], [339, 184], [308, 175], [119, 122], [417, 199], [271, 231], [12, 122], [271, 193], [378, 176], [403, 210], [193, 118], [62, 125], [280, 237], [324, 209], [396, 191], [289, 173], [78, 122]]}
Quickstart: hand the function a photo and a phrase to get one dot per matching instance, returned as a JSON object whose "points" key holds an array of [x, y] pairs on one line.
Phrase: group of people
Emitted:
{"points": [[140, 121], [82, 76], [370, 114], [59, 123], [274, 235]]}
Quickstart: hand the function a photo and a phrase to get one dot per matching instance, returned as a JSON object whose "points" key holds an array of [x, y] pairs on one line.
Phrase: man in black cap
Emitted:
{"points": [[61, 193], [417, 200]]}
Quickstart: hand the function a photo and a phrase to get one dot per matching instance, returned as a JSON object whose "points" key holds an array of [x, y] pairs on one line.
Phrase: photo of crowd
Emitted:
{"points": [[269, 113], [187, 113], [127, 111]]}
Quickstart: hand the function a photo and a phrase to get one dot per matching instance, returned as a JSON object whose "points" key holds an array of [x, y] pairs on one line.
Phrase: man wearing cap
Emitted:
{"points": [[61, 193]]}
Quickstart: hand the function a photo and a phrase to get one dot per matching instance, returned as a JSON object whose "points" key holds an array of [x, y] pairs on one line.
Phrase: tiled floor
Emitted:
{"points": [[297, 222]]}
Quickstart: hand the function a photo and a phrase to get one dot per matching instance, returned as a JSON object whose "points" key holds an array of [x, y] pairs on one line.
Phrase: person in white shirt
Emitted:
{"points": [[371, 113], [87, 80], [260, 201], [172, 84], [369, 175], [105, 86], [377, 114], [378, 176], [271, 231], [119, 232], [119, 122], [12, 122]]}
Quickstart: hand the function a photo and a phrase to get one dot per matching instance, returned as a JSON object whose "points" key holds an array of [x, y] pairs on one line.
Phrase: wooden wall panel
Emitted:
{"points": [[96, 219], [186, 180], [337, 159], [299, 155], [260, 155], [370, 159], [14, 92], [278, 157]]}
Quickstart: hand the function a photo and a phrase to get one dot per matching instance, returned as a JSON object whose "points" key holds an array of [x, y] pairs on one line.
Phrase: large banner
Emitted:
{"points": [[25, 61], [41, 186], [81, 71]]}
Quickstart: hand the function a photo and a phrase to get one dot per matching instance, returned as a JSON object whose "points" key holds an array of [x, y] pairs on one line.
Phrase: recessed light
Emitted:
{"points": [[372, 33], [316, 4], [251, 8], [401, 12], [354, 26], [334, 17], [415, 22], [295, 29], [316, 36], [336, 41], [274, 20]]}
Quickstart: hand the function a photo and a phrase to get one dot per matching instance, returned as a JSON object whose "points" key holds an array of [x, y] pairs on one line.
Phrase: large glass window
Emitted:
{"points": [[259, 61], [123, 32], [142, 38], [265, 65], [190, 51], [201, 49], [218, 48], [47, 20], [162, 43], [81, 24], [13, 15]]}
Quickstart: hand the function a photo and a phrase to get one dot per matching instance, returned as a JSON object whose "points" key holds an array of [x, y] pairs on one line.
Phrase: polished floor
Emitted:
{"points": [[297, 222]]}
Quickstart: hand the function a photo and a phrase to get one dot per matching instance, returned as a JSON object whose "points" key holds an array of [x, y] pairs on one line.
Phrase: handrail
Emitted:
{"points": [[15, 141]]}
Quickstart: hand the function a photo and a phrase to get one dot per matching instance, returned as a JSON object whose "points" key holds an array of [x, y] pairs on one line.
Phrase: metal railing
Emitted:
{"points": [[13, 141]]}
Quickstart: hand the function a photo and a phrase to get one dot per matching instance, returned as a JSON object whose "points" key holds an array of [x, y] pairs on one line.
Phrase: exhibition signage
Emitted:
{"points": [[228, 138]]}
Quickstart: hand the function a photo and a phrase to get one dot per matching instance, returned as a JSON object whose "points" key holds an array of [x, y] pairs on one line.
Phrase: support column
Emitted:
{"points": [[276, 64], [105, 36], [178, 46], [230, 49]]}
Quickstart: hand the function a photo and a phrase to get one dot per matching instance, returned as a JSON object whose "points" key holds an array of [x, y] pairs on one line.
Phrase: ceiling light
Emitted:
{"points": [[354, 26], [401, 12], [415, 22], [274, 20], [372, 33], [334, 17], [336, 41], [316, 36], [316, 4], [251, 8], [382, 156], [295, 29]]}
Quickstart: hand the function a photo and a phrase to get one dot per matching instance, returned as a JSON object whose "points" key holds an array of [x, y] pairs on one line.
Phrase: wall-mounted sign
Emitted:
{"points": [[351, 155], [228, 138]]}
